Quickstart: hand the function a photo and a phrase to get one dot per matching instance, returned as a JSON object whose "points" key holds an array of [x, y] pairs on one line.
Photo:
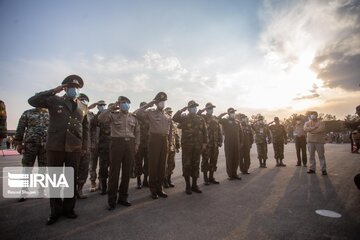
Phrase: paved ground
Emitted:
{"points": [[272, 203]]}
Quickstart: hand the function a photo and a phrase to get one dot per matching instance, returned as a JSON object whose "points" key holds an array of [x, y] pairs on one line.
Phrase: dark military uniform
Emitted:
{"points": [[279, 138], [66, 140], [141, 157], [94, 154], [262, 133], [3, 130], [32, 132], [193, 137], [247, 141], [233, 138], [211, 152], [103, 147]]}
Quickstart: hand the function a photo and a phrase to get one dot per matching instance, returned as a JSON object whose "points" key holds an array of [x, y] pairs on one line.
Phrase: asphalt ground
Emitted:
{"points": [[271, 203]]}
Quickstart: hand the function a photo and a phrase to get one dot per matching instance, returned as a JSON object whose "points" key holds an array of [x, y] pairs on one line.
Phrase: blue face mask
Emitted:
{"points": [[313, 117], [101, 108], [209, 111], [125, 106], [72, 92], [192, 110]]}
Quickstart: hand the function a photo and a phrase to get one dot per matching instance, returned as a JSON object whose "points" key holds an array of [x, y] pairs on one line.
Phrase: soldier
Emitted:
{"points": [[262, 138], [233, 139], [247, 141], [67, 135], [102, 146], [141, 157], [355, 133], [30, 138], [174, 146], [3, 130], [194, 139], [315, 130], [159, 129], [279, 138], [124, 143], [300, 142], [211, 153], [94, 148]]}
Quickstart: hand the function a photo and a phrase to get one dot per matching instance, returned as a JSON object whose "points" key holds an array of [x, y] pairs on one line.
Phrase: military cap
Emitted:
{"points": [[261, 117], [83, 96], [209, 105], [161, 96], [73, 80], [168, 109], [101, 102], [276, 119], [142, 104], [122, 99], [241, 116], [110, 105], [311, 112], [192, 103], [358, 109], [231, 110]]}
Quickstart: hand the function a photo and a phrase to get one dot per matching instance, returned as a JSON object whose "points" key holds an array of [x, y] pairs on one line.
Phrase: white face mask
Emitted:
{"points": [[161, 105]]}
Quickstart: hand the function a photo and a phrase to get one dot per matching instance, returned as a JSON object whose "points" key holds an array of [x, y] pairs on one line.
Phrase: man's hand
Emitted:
{"points": [[59, 88], [92, 106], [19, 148], [115, 106], [184, 109], [83, 152]]}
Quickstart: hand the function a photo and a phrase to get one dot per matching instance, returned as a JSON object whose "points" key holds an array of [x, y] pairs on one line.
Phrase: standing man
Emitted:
{"points": [[30, 138], [3, 130], [159, 129], [247, 141], [67, 135], [194, 139], [211, 153], [315, 130], [174, 146], [300, 142], [279, 138], [94, 155], [141, 158], [103, 146], [233, 139], [125, 140], [262, 138]]}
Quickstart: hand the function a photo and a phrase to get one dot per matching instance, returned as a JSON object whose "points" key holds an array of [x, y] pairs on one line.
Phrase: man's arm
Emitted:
{"points": [[177, 117], [85, 126], [105, 116], [20, 132], [137, 135], [41, 99]]}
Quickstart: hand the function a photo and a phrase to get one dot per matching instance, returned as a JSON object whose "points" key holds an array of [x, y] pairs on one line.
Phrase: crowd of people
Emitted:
{"points": [[60, 130]]}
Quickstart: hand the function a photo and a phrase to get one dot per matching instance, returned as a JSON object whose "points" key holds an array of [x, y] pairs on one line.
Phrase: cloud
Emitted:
{"points": [[313, 94]]}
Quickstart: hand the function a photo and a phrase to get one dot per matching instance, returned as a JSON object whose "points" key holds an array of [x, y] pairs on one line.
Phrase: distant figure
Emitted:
{"points": [[3, 129], [300, 142], [279, 138], [315, 130], [262, 138]]}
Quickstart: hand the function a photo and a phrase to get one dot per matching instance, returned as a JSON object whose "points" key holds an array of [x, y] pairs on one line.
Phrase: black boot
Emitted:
{"points": [[188, 187], [282, 164], [166, 183], [195, 187], [138, 178], [145, 182], [260, 162], [212, 179], [206, 179], [277, 163], [103, 186], [264, 164], [169, 181]]}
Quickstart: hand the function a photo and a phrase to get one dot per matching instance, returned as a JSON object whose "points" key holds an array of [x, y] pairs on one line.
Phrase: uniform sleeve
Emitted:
{"points": [[177, 117], [21, 127], [308, 128], [142, 114], [268, 134], [220, 135], [320, 128], [3, 127], [204, 132], [137, 134], [41, 99], [105, 116], [85, 125]]}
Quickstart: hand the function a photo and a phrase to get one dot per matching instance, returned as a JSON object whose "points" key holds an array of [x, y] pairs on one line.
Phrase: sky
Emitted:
{"points": [[257, 56]]}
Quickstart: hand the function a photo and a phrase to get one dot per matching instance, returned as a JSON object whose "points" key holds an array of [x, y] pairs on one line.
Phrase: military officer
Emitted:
{"points": [[194, 139], [94, 150], [211, 153], [30, 138], [103, 145], [300, 142], [159, 129], [248, 140], [233, 139], [279, 138], [174, 146], [262, 138], [141, 157], [125, 140], [3, 130], [67, 135]]}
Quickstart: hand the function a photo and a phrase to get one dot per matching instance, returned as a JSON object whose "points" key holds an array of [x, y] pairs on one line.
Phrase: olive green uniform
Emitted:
{"points": [[262, 134]]}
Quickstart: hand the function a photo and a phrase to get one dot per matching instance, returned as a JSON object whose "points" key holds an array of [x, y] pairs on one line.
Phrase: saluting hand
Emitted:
{"points": [[184, 109], [92, 106], [59, 88]]}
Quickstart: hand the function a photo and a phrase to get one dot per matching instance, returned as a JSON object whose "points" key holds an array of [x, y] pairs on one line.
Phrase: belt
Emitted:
{"points": [[126, 139], [159, 134]]}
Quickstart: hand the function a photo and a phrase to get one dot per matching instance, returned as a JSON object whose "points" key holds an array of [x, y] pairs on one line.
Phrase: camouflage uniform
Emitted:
{"points": [[141, 157], [174, 145], [279, 138], [248, 140], [193, 137], [261, 134], [3, 130], [32, 132], [94, 153], [211, 152]]}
